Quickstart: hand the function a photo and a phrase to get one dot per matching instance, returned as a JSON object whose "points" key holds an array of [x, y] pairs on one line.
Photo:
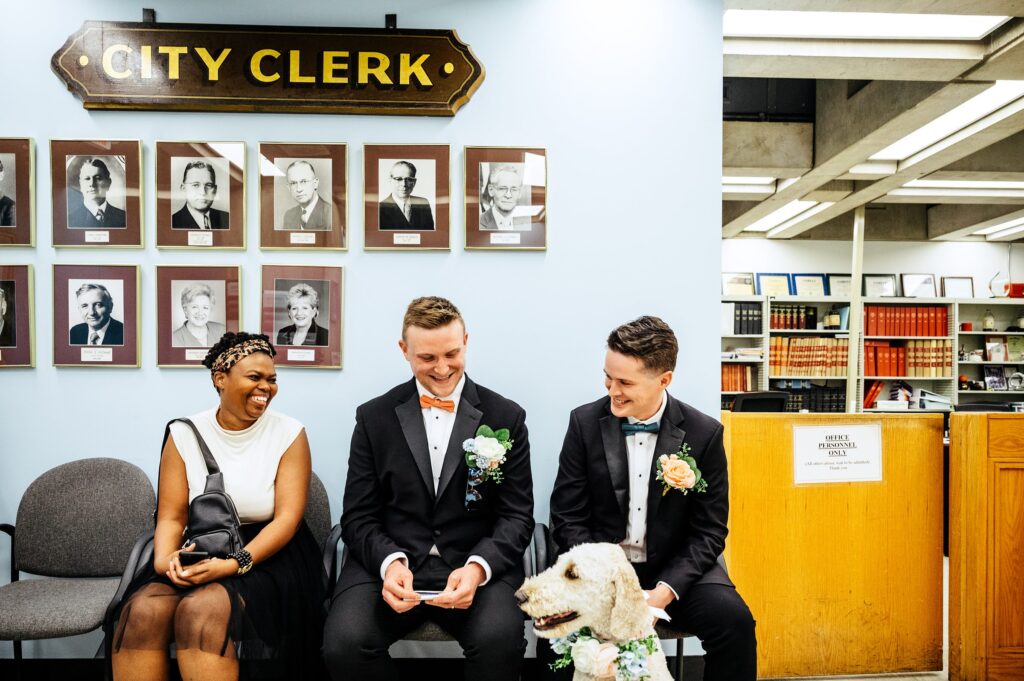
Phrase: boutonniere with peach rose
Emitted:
{"points": [[484, 455], [679, 472]]}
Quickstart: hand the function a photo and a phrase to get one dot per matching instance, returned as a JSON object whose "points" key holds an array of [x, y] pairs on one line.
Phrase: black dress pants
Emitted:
{"points": [[361, 628]]}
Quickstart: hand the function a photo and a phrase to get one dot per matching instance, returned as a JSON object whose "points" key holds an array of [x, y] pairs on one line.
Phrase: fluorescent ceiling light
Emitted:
{"points": [[995, 97], [857, 25], [955, 191], [781, 215], [734, 179], [814, 210], [998, 236], [965, 184], [874, 169], [1009, 224]]}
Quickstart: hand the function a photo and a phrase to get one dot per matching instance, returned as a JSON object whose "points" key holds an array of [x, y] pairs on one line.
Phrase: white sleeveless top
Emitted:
{"points": [[248, 458]]}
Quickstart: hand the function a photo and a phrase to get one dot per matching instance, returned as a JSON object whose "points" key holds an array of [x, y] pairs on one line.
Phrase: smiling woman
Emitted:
{"points": [[263, 602]]}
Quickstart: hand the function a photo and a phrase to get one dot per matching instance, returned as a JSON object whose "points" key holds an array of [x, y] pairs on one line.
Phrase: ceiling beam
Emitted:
{"points": [[781, 150], [959, 222]]}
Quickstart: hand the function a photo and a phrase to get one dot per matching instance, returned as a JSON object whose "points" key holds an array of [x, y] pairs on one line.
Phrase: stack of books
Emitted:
{"points": [[794, 317], [741, 319], [900, 320], [738, 377], [926, 399], [808, 356], [916, 359]]}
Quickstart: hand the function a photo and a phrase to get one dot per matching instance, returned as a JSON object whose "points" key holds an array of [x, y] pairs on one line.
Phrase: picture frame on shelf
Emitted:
{"points": [[303, 196], [406, 197], [918, 285], [17, 316], [809, 284], [200, 189], [506, 198], [96, 193], [773, 284], [839, 285], [957, 287], [17, 192], [996, 349], [995, 379], [96, 315], [879, 286], [195, 306], [302, 312], [1015, 349], [737, 283]]}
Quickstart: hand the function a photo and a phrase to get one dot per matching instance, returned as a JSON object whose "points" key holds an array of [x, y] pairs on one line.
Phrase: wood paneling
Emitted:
{"points": [[842, 578]]}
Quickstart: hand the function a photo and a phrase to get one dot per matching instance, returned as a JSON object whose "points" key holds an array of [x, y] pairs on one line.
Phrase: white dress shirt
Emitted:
{"points": [[100, 334], [439, 424], [505, 223], [308, 210]]}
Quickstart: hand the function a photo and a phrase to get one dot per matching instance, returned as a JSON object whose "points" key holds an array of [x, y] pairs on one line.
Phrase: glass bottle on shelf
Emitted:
{"points": [[988, 322]]}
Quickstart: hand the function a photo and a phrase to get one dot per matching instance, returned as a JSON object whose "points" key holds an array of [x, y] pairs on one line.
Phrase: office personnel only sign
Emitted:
{"points": [[840, 453]]}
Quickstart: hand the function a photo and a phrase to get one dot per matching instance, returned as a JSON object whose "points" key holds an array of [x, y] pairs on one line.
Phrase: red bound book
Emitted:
{"points": [[901, 362]]}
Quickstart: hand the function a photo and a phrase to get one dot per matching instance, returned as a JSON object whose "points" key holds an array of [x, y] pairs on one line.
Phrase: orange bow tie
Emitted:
{"points": [[427, 401]]}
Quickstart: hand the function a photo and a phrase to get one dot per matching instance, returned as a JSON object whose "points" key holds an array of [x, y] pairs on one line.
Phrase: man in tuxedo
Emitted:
{"points": [[607, 490], [93, 211], [401, 210], [97, 327], [199, 184], [415, 516], [312, 212], [7, 339], [504, 186]]}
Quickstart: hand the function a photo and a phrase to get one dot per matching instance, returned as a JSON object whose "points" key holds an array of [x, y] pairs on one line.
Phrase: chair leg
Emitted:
{"points": [[679, 660], [17, 660]]}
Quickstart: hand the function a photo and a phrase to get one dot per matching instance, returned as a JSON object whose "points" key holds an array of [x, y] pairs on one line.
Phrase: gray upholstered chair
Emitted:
{"points": [[75, 528]]}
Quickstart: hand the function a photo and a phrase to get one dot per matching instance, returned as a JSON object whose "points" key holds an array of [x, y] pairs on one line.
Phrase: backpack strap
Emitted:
{"points": [[211, 463]]}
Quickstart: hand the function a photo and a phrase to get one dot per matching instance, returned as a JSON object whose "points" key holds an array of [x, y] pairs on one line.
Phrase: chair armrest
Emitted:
{"points": [[9, 530], [330, 557], [140, 559]]}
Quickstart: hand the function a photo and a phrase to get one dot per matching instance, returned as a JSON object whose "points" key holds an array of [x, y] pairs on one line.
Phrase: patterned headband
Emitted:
{"points": [[237, 353]]}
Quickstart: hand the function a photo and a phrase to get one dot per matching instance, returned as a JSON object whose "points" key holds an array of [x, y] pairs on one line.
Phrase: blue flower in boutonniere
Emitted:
{"points": [[679, 472], [484, 455]]}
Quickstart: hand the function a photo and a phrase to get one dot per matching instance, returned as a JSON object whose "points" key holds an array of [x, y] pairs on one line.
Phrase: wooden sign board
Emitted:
{"points": [[195, 67]]}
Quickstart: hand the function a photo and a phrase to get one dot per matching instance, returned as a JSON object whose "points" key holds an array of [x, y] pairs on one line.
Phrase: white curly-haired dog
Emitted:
{"points": [[592, 585]]}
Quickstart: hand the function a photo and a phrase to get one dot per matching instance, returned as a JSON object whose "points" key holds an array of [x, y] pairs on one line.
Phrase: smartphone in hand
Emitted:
{"points": [[424, 595], [192, 557]]}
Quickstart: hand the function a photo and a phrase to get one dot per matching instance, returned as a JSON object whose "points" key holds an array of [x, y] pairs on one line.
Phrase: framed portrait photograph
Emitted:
{"points": [[809, 284], [737, 283], [918, 285], [195, 306], [957, 287], [303, 193], [773, 284], [839, 285], [880, 286], [17, 320], [17, 192], [506, 198], [200, 189], [96, 193], [302, 312], [96, 315], [406, 196]]}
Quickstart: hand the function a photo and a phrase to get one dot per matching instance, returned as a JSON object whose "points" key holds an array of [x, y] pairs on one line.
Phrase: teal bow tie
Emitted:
{"points": [[631, 428]]}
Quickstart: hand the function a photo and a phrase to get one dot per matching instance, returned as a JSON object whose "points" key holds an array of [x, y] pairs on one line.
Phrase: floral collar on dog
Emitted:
{"points": [[626, 660]]}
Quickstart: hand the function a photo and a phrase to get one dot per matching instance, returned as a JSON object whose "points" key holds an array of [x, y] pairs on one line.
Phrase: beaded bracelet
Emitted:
{"points": [[244, 559]]}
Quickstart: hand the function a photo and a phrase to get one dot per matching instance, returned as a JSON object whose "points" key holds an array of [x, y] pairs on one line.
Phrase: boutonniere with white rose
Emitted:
{"points": [[623, 661], [484, 455], [679, 472]]}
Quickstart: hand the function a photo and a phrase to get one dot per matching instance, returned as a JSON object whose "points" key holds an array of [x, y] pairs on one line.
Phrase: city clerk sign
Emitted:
{"points": [[115, 65]]}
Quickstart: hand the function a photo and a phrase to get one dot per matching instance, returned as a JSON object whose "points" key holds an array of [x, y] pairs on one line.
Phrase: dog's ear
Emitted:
{"points": [[630, 615]]}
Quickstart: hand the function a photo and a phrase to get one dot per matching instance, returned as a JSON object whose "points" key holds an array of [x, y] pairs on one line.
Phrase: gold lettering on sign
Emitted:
{"points": [[414, 69], [330, 66], [213, 65], [108, 61], [173, 53], [293, 69], [380, 71], [255, 65], [146, 54]]}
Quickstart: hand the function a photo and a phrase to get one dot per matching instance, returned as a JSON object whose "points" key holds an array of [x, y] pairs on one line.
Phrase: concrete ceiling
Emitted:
{"points": [[912, 83]]}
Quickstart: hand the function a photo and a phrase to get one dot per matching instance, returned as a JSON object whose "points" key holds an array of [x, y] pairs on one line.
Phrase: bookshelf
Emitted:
{"points": [[743, 347], [981, 369]]}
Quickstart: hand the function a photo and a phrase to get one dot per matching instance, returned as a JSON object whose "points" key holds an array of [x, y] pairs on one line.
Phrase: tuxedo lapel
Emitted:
{"points": [[670, 439], [467, 420], [615, 456], [410, 416]]}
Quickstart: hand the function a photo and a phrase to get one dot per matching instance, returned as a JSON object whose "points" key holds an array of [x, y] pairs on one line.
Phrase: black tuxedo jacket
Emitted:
{"points": [[685, 533], [79, 334], [390, 504], [184, 220], [80, 218], [391, 216]]}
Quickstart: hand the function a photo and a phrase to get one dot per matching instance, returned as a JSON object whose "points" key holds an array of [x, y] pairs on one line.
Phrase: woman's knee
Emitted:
{"points": [[145, 622], [202, 617]]}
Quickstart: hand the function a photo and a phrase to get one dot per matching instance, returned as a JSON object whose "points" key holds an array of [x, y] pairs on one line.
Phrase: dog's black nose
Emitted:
{"points": [[521, 597]]}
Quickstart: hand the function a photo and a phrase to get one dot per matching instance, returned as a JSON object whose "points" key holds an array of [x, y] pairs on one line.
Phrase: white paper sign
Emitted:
{"points": [[97, 354], [505, 239], [201, 238], [302, 238], [407, 240], [841, 453], [196, 355], [301, 355], [97, 237]]}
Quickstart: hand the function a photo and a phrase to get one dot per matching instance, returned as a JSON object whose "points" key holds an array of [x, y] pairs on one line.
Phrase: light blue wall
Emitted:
{"points": [[625, 97]]}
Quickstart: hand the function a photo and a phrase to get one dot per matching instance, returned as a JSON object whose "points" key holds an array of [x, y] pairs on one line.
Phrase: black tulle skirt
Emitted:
{"points": [[274, 625]]}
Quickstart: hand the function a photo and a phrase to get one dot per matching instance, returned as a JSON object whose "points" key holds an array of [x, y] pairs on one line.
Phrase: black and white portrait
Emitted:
{"points": [[302, 194], [8, 190], [505, 197], [407, 191], [200, 193], [93, 315], [198, 313], [8, 317], [96, 192], [297, 309]]}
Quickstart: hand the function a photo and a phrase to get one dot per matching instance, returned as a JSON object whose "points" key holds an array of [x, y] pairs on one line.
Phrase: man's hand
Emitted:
{"points": [[659, 597], [397, 590], [461, 587]]}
